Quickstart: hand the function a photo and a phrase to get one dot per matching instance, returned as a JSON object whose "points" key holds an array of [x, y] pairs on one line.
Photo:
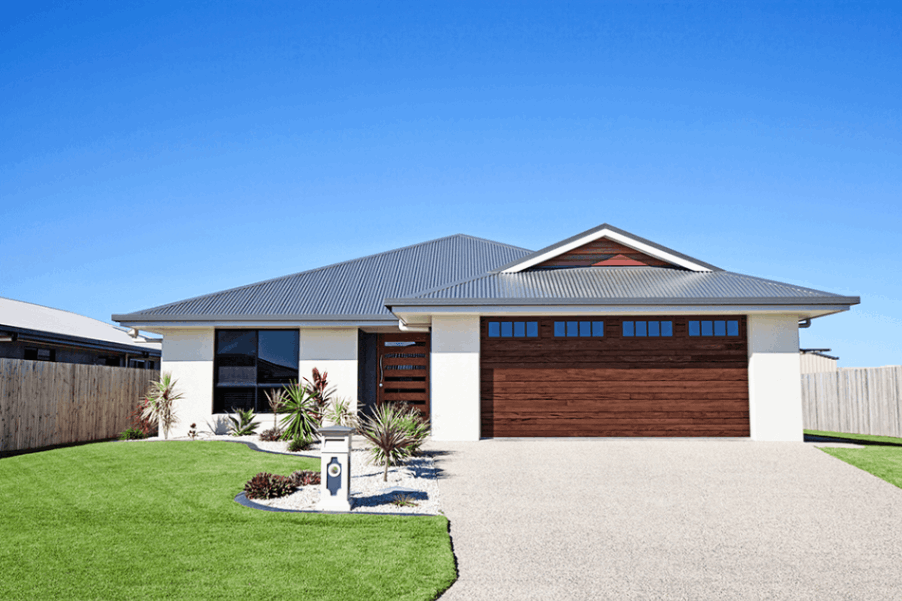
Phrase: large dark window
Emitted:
{"points": [[250, 362]]}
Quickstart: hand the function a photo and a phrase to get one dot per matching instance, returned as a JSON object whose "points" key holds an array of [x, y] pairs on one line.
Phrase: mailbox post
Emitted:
{"points": [[335, 486]]}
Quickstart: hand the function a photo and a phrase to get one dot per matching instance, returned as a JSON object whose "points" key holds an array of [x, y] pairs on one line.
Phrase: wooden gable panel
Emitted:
{"points": [[600, 253]]}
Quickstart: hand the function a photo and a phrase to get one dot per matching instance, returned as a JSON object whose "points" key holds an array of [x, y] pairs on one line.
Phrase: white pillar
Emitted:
{"points": [[775, 385], [188, 355], [454, 375], [333, 350]]}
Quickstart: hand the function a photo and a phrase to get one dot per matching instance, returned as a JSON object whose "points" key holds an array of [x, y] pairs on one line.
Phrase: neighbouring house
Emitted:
{"points": [[816, 360], [602, 334], [37, 333]]}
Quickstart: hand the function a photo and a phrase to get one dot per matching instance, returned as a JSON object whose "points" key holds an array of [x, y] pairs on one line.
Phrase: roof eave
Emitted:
{"points": [[846, 301], [133, 320]]}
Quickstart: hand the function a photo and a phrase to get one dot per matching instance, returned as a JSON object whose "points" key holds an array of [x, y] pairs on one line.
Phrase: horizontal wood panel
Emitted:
{"points": [[614, 385], [592, 252], [544, 374], [386, 361], [400, 385], [629, 405]]}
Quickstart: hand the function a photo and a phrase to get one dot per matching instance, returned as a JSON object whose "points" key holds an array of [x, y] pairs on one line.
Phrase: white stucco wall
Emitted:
{"points": [[333, 350], [775, 390], [454, 377], [188, 355]]}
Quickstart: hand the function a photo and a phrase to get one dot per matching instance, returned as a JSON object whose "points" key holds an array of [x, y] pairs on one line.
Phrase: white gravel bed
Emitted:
{"points": [[369, 494]]}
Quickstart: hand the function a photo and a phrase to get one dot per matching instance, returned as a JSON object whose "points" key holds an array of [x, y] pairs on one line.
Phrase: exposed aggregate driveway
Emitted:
{"points": [[666, 519]]}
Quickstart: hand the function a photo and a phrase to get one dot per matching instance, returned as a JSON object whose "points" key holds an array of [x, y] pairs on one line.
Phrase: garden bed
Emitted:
{"points": [[415, 481]]}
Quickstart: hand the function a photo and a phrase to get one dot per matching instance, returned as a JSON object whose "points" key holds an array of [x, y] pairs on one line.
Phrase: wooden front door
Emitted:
{"points": [[402, 370]]}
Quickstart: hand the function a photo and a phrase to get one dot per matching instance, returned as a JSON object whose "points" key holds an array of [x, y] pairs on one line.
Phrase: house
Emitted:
{"points": [[602, 334], [816, 360], [37, 333]]}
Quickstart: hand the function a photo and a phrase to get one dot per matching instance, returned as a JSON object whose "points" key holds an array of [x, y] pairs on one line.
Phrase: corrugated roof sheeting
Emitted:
{"points": [[620, 283], [357, 287]]}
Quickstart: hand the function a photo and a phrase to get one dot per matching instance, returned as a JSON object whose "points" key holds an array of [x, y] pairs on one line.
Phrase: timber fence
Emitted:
{"points": [[854, 401], [46, 404]]}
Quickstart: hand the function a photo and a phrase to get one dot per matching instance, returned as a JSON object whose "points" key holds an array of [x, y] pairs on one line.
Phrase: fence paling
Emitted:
{"points": [[854, 400], [45, 404]]}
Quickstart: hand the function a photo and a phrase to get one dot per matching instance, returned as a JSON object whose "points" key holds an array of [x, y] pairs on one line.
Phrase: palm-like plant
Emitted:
{"points": [[338, 411], [302, 413], [391, 440], [276, 398], [319, 387], [160, 405], [243, 424]]}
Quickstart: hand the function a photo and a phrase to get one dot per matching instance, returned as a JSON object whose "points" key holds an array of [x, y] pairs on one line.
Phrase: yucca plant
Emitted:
{"points": [[160, 403], [385, 430], [242, 423], [302, 413], [339, 413], [276, 398]]}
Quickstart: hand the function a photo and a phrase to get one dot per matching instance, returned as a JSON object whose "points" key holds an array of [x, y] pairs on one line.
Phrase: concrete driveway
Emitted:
{"points": [[666, 519]]}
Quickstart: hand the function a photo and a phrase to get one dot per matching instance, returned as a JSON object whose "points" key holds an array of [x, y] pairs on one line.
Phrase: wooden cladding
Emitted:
{"points": [[600, 253], [615, 385], [402, 364]]}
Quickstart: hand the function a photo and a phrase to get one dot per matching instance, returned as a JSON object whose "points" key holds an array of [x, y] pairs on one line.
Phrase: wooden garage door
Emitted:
{"points": [[585, 377]]}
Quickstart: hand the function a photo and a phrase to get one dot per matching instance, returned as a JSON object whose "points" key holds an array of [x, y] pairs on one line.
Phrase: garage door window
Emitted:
{"points": [[714, 328], [513, 329], [647, 328], [578, 329]]}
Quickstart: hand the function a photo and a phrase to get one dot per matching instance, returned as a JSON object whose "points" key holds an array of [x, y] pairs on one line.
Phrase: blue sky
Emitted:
{"points": [[156, 152]]}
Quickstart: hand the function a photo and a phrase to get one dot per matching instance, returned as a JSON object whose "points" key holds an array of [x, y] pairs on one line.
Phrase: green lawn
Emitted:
{"points": [[865, 437], [158, 520], [883, 461]]}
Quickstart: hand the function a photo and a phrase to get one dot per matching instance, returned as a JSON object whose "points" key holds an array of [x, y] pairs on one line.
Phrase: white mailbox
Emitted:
{"points": [[335, 477]]}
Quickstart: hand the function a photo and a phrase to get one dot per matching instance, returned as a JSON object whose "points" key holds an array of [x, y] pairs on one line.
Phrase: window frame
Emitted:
{"points": [[260, 404]]}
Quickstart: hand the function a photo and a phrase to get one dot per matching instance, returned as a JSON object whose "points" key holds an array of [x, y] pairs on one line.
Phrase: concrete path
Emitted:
{"points": [[666, 519]]}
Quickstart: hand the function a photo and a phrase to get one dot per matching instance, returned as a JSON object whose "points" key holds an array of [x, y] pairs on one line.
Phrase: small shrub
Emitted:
{"points": [[305, 478], [160, 404], [299, 444], [404, 501], [137, 420], [276, 399], [268, 486], [243, 424], [385, 430], [338, 411], [271, 435], [133, 434], [319, 388], [416, 427], [302, 413]]}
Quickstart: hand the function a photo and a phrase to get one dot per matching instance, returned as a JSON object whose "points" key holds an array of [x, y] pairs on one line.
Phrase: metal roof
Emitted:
{"points": [[28, 318], [621, 286], [353, 289]]}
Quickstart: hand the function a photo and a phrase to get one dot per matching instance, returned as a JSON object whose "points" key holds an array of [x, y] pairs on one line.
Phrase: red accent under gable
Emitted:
{"points": [[620, 261], [601, 252]]}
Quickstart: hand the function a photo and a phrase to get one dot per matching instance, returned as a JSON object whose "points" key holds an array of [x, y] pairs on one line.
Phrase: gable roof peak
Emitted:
{"points": [[615, 234]]}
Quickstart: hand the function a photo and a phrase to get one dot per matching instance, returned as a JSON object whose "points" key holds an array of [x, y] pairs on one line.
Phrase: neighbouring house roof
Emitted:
{"points": [[819, 352], [45, 324], [351, 290], [620, 285], [591, 268]]}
